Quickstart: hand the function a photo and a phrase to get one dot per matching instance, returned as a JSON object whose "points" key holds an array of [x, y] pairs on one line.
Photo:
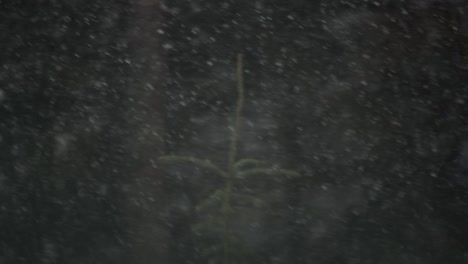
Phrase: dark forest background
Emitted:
{"points": [[366, 99]]}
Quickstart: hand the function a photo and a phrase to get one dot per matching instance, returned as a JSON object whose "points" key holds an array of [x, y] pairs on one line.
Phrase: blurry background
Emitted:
{"points": [[366, 99]]}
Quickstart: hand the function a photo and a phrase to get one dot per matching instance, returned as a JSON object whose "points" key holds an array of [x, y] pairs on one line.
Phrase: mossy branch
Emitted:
{"points": [[237, 114], [207, 224], [253, 172], [235, 170], [232, 155], [249, 199], [199, 162], [241, 164], [212, 200]]}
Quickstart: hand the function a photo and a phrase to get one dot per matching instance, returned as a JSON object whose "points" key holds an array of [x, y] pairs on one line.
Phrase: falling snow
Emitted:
{"points": [[131, 132]]}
